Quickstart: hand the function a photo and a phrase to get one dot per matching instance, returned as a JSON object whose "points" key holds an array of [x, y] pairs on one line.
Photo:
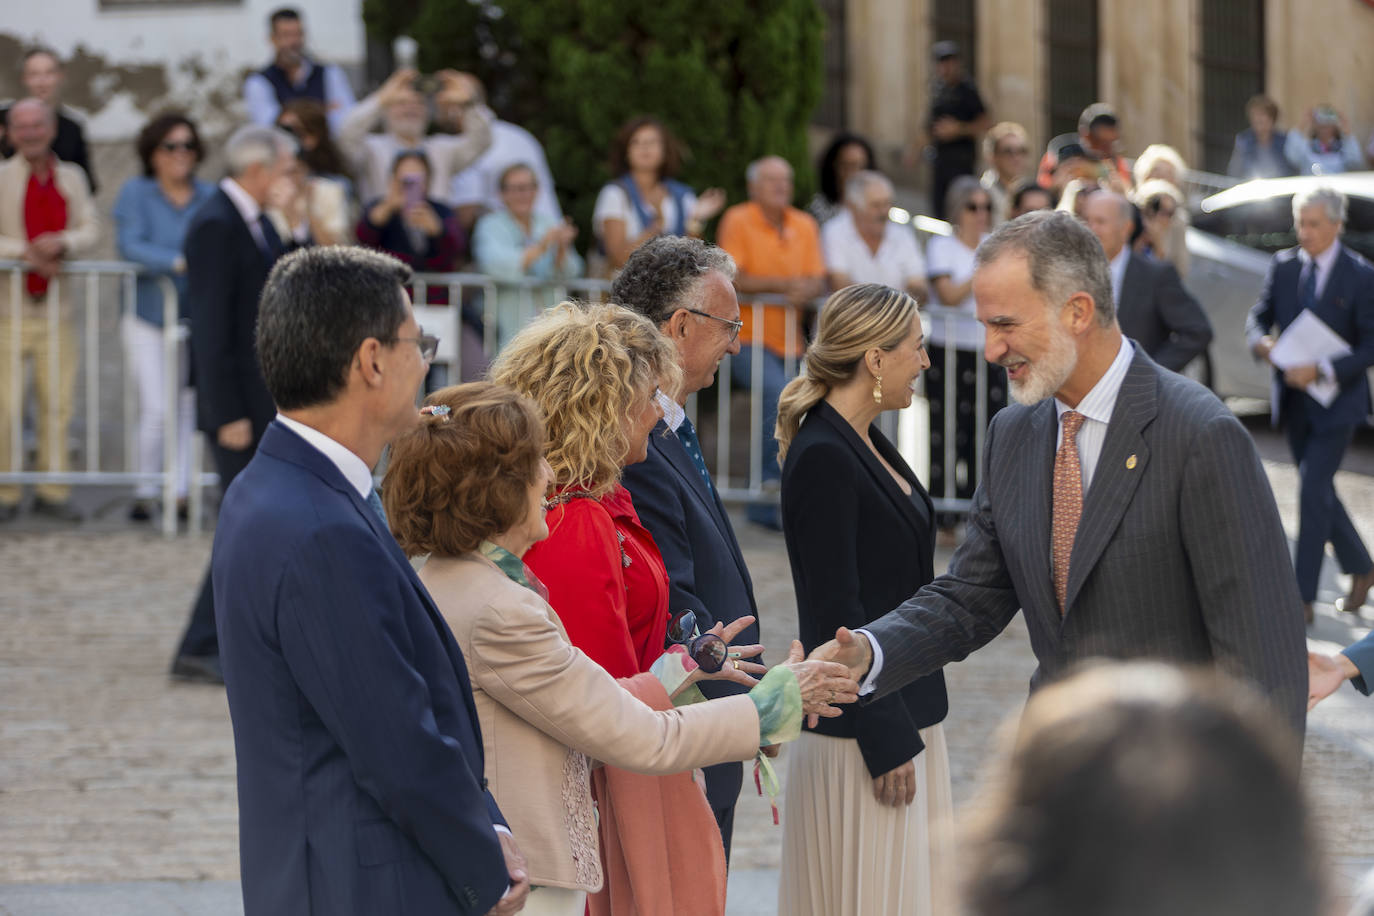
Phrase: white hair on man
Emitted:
{"points": [[1324, 196], [856, 188], [256, 145], [751, 171]]}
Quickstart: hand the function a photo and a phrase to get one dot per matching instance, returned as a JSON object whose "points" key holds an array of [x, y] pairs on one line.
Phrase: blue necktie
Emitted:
{"points": [[272, 245], [375, 502], [1307, 295], [688, 436]]}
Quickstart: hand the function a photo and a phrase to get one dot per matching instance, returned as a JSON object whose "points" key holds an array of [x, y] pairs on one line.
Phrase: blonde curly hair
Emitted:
{"points": [[588, 366]]}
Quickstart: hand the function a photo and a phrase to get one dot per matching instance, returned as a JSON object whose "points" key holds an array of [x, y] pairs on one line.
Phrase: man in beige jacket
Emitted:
{"points": [[46, 217]]}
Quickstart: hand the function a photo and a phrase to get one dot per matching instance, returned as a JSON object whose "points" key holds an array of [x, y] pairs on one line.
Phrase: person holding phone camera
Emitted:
{"points": [[402, 108]]}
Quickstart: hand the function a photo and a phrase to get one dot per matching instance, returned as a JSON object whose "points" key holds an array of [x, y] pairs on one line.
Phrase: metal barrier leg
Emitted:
{"points": [[171, 412]]}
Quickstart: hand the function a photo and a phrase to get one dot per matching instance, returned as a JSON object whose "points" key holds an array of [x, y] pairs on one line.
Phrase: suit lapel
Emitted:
{"points": [[671, 448], [880, 475], [1333, 305], [1116, 476], [1036, 455]]}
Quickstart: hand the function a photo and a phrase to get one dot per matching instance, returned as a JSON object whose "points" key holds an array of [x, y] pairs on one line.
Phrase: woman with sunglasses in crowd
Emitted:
{"points": [[956, 345], [467, 488], [867, 808], [151, 215], [594, 372], [321, 190]]}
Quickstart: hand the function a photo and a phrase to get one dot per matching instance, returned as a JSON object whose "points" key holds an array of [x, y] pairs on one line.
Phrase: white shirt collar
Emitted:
{"points": [[243, 201], [1098, 403], [673, 412], [1323, 260], [353, 468]]}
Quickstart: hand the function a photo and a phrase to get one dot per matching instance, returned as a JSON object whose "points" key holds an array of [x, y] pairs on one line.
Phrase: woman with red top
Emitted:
{"points": [[593, 371]]}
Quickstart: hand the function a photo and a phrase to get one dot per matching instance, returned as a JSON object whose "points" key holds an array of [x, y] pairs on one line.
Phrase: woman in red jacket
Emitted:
{"points": [[593, 371]]}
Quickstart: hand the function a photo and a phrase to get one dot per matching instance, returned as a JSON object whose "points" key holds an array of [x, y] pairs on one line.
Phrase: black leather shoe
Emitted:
{"points": [[1359, 591], [8, 513], [62, 512], [141, 511], [199, 669]]}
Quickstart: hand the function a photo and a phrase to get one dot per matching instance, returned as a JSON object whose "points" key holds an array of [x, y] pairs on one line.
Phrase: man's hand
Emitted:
{"points": [[395, 84], [946, 128], [235, 436], [514, 899], [848, 648], [822, 683], [896, 788], [1301, 376], [1326, 673], [1263, 346]]}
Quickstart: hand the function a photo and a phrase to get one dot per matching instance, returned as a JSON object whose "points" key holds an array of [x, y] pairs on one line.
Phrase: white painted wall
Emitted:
{"points": [[203, 50]]}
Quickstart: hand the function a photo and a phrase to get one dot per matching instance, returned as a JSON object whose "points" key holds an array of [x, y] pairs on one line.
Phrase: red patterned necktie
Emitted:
{"points": [[1068, 503]]}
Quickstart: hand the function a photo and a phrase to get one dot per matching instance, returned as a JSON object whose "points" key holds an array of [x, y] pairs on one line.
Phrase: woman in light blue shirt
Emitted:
{"points": [[151, 216], [519, 244]]}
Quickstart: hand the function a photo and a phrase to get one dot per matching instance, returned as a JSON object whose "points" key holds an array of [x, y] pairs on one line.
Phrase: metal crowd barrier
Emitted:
{"points": [[96, 467], [739, 473]]}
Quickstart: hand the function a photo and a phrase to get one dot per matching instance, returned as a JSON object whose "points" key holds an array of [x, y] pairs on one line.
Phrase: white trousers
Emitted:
{"points": [[144, 358], [555, 901]]}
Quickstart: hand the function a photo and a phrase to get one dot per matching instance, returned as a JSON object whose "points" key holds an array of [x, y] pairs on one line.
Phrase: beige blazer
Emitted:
{"points": [[82, 233], [545, 707]]}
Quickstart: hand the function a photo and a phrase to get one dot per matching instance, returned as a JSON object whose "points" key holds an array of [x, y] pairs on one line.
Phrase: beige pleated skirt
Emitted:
{"points": [[844, 854]]}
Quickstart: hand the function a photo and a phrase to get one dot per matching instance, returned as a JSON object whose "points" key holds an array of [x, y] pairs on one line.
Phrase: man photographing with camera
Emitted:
{"points": [[402, 108]]}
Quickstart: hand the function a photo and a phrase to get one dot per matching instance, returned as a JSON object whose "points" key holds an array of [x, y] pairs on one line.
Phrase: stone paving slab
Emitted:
{"points": [[117, 789]]}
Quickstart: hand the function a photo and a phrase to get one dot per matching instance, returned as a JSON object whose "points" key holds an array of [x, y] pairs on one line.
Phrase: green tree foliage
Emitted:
{"points": [[734, 79]]}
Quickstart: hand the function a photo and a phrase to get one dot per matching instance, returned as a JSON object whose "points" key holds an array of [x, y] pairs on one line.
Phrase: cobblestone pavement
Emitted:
{"points": [[110, 773]]}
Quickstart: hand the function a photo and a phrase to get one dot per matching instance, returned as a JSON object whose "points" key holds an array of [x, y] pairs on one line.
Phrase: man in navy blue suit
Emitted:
{"points": [[1337, 286], [686, 287], [360, 767]]}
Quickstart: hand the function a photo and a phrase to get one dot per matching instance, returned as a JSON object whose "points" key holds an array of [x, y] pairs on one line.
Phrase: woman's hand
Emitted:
{"points": [[711, 202], [896, 787], [822, 683], [735, 669], [422, 216]]}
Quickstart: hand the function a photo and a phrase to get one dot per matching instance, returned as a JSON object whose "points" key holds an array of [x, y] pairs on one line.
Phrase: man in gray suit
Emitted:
{"points": [[1152, 307], [1123, 508]]}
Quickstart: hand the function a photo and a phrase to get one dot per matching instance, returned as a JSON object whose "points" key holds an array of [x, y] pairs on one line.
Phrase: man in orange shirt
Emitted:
{"points": [[778, 251]]}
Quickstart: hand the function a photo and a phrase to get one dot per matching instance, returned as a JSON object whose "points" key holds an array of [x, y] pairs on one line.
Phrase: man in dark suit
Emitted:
{"points": [[1124, 509], [1152, 307], [360, 760], [1336, 285], [686, 287], [230, 246]]}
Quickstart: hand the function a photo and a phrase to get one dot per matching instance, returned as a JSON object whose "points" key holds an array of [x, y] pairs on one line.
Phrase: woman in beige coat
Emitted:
{"points": [[467, 487]]}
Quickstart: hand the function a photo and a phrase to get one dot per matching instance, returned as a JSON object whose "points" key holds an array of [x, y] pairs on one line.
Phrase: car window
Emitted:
{"points": [[1267, 225]]}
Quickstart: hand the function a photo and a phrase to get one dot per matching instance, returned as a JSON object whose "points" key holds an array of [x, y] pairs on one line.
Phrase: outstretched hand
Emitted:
{"points": [[823, 684], [1325, 674]]}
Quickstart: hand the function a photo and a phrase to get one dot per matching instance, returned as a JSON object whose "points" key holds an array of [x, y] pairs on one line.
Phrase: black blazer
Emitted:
{"points": [[1159, 314], [706, 570], [225, 273], [859, 546]]}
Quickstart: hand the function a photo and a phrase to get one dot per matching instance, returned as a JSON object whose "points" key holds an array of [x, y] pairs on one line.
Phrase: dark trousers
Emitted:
{"points": [[954, 421], [725, 819], [200, 637], [1321, 517]]}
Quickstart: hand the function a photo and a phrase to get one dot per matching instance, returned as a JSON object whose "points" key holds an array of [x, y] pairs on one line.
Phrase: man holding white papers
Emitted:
{"points": [[1331, 289]]}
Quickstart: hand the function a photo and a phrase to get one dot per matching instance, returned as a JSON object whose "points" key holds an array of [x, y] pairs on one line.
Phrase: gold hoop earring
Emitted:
{"points": [[878, 389]]}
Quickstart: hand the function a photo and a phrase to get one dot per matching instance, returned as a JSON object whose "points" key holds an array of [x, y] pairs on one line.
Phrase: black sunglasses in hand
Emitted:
{"points": [[708, 650]]}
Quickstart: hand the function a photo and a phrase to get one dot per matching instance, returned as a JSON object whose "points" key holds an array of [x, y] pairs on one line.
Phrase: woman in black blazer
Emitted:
{"points": [[867, 803]]}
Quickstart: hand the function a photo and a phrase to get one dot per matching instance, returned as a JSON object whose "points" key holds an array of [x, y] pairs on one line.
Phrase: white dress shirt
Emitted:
{"points": [[1324, 262], [260, 98], [1097, 406], [248, 208], [673, 412], [353, 468], [897, 262], [479, 183]]}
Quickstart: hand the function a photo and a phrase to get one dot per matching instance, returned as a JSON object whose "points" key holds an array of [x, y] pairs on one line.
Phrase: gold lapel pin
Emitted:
{"points": [[1130, 463]]}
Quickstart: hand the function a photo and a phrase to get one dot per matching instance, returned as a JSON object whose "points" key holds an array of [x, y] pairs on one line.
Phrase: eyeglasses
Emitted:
{"points": [[1014, 151], [708, 650], [188, 146], [428, 344], [733, 325], [974, 207], [524, 187]]}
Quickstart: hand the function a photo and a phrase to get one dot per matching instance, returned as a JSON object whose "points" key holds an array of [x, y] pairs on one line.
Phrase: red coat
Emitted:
{"points": [[606, 580]]}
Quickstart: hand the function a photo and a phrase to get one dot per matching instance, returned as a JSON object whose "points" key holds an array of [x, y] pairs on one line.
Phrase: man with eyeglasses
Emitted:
{"points": [[230, 246], [361, 784], [685, 286]]}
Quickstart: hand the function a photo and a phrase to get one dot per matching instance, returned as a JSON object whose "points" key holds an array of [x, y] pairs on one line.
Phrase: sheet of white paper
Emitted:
{"points": [[1306, 342]]}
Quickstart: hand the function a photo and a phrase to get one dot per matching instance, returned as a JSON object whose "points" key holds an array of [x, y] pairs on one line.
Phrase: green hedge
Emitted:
{"points": [[734, 80]]}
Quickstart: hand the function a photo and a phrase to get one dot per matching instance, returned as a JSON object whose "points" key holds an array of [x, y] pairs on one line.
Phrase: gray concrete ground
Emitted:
{"points": [[117, 787]]}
